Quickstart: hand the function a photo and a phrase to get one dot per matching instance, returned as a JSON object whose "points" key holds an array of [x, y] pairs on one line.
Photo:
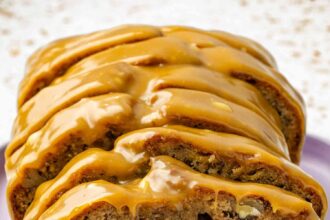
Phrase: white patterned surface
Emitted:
{"points": [[296, 32]]}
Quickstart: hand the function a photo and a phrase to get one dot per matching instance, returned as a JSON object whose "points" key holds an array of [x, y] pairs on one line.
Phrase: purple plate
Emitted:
{"points": [[315, 161]]}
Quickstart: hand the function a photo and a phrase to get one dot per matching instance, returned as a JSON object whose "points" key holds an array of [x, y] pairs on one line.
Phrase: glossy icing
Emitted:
{"points": [[148, 45], [168, 180], [130, 152]]}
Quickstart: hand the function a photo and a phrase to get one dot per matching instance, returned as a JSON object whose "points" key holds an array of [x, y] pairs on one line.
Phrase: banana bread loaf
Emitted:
{"points": [[144, 122]]}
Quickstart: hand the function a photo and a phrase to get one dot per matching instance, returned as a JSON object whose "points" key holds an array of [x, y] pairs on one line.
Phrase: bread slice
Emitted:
{"points": [[136, 81], [218, 154], [172, 190], [99, 120], [34, 114], [226, 156]]}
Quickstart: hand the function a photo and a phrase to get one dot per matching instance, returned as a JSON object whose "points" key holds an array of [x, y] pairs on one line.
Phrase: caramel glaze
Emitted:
{"points": [[91, 117], [168, 181], [122, 77], [147, 45], [52, 60], [130, 154]]}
